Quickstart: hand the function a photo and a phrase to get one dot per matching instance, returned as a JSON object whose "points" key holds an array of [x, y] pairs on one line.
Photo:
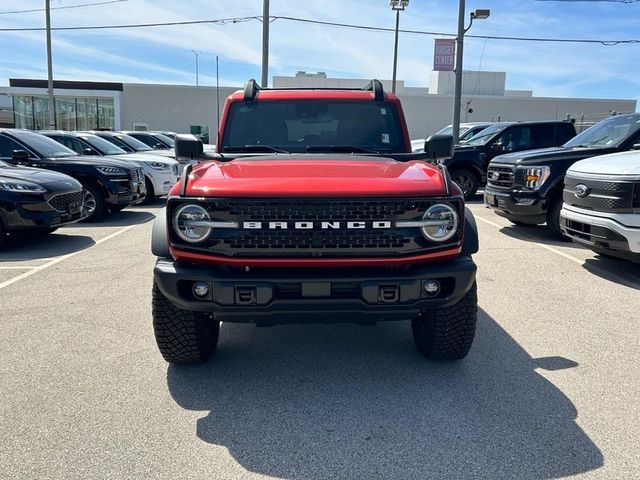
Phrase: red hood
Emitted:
{"points": [[315, 177]]}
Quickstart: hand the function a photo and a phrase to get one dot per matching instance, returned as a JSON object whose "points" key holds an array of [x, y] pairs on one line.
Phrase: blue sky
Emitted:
{"points": [[163, 54]]}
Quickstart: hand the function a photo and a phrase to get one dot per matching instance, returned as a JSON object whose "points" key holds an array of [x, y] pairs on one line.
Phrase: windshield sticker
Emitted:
{"points": [[385, 138], [383, 111]]}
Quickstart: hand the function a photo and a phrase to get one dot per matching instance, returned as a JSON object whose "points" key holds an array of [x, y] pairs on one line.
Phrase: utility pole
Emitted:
{"points": [[265, 43], [217, 93], [457, 94], [52, 112], [395, 53]]}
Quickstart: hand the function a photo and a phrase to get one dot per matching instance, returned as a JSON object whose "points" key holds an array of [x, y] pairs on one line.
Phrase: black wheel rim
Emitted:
{"points": [[465, 183], [88, 203]]}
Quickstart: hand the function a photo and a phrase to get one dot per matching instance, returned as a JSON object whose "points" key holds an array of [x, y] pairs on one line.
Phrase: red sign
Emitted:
{"points": [[444, 55]]}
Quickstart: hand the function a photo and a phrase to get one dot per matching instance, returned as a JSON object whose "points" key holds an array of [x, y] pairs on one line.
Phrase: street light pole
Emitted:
{"points": [[265, 44], [197, 53], [395, 53], [480, 14], [398, 6], [52, 113], [217, 92]]}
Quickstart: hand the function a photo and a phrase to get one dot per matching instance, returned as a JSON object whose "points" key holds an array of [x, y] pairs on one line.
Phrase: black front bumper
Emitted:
{"points": [[526, 207], [132, 193], [23, 213], [322, 295]]}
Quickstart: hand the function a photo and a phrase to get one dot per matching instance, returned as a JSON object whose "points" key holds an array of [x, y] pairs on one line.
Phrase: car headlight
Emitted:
{"points": [[158, 165], [112, 171], [187, 223], [439, 223], [534, 177], [20, 186]]}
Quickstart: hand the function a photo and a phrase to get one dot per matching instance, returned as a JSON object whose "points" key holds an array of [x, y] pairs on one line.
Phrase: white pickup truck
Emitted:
{"points": [[602, 204]]}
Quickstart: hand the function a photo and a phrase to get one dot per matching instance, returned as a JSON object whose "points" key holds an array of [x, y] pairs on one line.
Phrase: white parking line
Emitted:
{"points": [[541, 245], [17, 268], [55, 261]]}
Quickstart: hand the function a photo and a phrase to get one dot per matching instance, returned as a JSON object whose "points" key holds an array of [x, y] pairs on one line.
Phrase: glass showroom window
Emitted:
{"points": [[66, 113], [41, 113], [23, 111], [106, 113], [87, 111]]}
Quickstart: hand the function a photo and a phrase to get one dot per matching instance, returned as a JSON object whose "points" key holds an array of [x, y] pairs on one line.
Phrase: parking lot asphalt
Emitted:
{"points": [[549, 390]]}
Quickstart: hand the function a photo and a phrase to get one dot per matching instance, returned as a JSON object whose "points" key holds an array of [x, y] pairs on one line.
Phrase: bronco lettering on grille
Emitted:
{"points": [[308, 225]]}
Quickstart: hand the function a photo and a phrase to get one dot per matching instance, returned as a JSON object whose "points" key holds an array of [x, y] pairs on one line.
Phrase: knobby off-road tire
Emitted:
{"points": [[183, 336], [447, 333]]}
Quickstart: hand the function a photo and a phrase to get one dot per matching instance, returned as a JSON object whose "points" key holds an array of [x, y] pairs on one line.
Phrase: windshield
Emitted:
{"points": [[312, 125], [607, 133], [102, 146], [164, 139], [134, 143], [486, 135], [45, 146]]}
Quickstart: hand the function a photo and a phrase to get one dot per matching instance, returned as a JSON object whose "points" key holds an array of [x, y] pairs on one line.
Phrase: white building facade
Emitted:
{"points": [[182, 108]]}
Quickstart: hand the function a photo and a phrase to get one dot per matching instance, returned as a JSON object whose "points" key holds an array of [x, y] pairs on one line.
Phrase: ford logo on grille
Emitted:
{"points": [[581, 190]]}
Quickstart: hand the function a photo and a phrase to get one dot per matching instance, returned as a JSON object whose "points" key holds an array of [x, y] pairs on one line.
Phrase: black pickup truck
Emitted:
{"points": [[527, 187], [107, 183], [468, 166]]}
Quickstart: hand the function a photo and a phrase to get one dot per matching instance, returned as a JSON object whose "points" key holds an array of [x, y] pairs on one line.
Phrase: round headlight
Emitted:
{"points": [[443, 223], [185, 223]]}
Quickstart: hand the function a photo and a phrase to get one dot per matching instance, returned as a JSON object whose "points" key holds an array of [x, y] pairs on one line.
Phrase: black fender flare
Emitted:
{"points": [[159, 239], [471, 243]]}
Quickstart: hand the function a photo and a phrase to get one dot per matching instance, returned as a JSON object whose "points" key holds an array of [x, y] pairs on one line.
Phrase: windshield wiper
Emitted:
{"points": [[255, 148], [339, 149]]}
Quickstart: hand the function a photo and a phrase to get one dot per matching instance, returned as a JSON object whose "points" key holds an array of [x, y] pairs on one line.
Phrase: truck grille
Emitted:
{"points": [[601, 195], [501, 177], [63, 201], [315, 242]]}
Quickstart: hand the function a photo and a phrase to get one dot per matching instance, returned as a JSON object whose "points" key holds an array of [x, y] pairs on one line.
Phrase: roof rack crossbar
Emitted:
{"points": [[251, 90], [375, 86]]}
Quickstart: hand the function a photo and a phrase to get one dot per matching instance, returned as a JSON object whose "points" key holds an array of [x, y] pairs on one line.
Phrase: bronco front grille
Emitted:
{"points": [[316, 241], [63, 201], [599, 195]]}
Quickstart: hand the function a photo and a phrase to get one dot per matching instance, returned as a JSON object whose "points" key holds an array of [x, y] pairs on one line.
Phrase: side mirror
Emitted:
{"points": [[21, 157], [498, 147], [636, 146], [158, 146], [439, 147], [89, 151], [188, 146]]}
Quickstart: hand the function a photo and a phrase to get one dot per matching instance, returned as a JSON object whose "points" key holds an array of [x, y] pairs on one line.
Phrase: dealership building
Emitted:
{"points": [[130, 106]]}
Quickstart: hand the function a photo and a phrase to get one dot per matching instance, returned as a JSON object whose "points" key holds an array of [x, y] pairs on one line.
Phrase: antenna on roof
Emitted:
{"points": [[374, 86], [251, 90]]}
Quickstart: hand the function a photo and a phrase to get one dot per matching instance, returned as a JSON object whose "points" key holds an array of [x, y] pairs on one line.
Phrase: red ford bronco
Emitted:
{"points": [[314, 209]]}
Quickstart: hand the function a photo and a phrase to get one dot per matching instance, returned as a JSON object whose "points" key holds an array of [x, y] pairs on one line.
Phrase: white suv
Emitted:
{"points": [[602, 204]]}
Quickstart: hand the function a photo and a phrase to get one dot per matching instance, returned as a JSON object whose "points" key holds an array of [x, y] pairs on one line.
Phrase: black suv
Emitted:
{"points": [[36, 201], [527, 187], [469, 163], [108, 184], [157, 141]]}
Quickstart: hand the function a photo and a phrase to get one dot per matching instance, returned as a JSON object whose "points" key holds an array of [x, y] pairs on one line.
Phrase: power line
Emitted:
{"points": [[63, 7], [221, 21], [224, 21]]}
